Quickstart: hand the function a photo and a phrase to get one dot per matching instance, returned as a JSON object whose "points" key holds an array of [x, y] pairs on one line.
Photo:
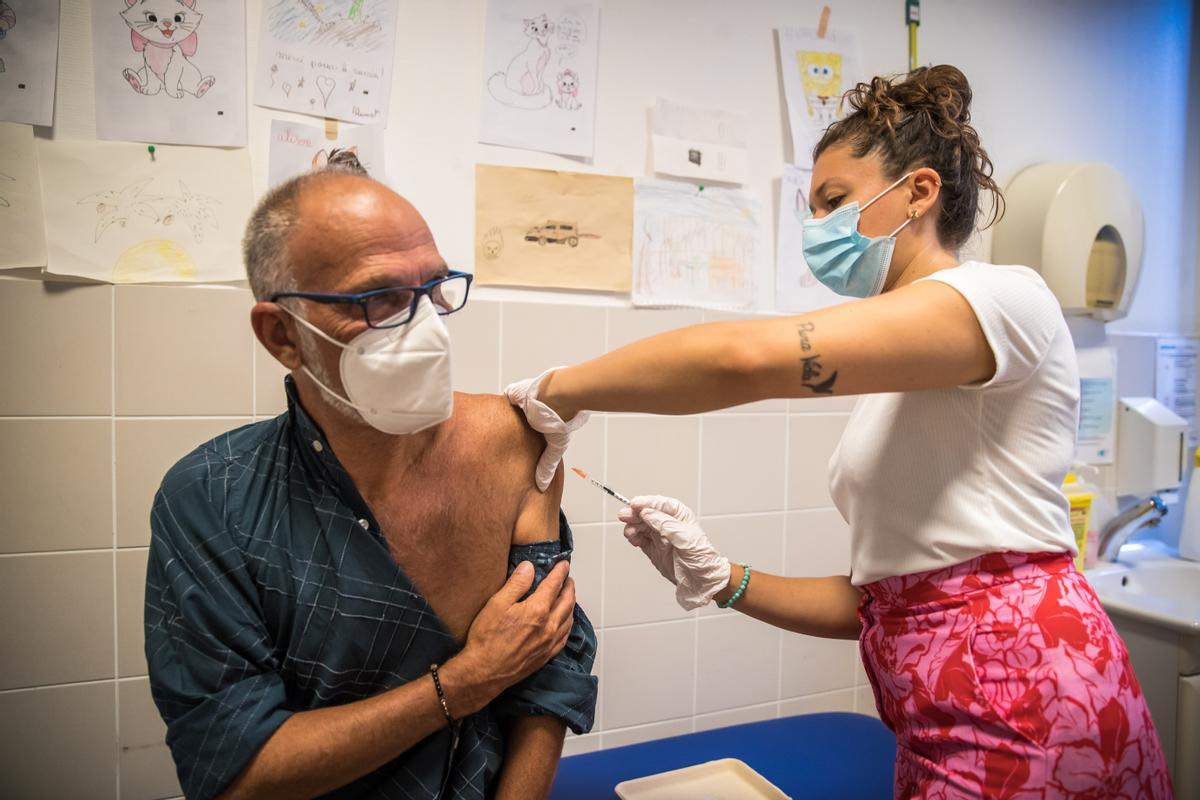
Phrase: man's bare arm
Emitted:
{"points": [[531, 757], [317, 751]]}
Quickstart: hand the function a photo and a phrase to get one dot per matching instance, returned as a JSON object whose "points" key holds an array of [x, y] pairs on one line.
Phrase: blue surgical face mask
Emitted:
{"points": [[840, 257]]}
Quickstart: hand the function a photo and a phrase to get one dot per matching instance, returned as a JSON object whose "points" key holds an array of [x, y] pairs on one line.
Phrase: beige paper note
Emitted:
{"points": [[549, 229]]}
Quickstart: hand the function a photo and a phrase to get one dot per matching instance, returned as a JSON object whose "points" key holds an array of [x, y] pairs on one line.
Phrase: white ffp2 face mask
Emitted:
{"points": [[398, 379]]}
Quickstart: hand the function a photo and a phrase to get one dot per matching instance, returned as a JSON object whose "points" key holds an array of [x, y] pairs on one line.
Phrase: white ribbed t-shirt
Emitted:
{"points": [[934, 478]]}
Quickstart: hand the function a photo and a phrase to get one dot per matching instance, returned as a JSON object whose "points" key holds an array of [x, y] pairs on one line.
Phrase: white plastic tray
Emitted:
{"points": [[725, 779]]}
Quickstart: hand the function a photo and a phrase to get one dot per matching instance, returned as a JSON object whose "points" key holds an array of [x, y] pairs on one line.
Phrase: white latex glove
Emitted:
{"points": [[669, 534], [524, 395]]}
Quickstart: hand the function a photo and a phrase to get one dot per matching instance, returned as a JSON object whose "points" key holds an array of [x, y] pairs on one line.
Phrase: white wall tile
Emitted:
{"points": [[649, 674], [822, 405], [736, 716], [55, 484], [57, 354], [582, 501], [754, 539], [742, 463], [270, 399], [147, 770], [738, 663], [634, 591], [817, 543], [841, 700], [812, 438], [475, 347], [184, 351], [812, 664], [654, 455], [56, 611], [645, 733], [58, 742], [537, 336], [575, 745], [131, 600], [864, 701], [587, 569]]}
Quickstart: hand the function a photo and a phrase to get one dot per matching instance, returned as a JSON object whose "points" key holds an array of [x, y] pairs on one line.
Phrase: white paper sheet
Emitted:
{"points": [[171, 71], [702, 143], [694, 247], [1175, 379], [28, 60], [539, 75], [1095, 439], [331, 58], [796, 288], [114, 215], [21, 228], [816, 72], [297, 148]]}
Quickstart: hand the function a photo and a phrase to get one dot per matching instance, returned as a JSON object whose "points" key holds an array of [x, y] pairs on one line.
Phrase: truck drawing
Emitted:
{"points": [[556, 232]]}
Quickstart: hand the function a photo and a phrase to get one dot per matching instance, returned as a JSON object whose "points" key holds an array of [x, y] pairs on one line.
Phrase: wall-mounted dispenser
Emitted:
{"points": [[1152, 447], [1081, 227]]}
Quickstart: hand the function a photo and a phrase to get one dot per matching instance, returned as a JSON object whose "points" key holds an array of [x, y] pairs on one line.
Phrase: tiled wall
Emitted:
{"points": [[104, 387]]}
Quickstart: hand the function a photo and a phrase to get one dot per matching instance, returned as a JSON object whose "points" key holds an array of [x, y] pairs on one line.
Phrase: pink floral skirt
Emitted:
{"points": [[1002, 677]]}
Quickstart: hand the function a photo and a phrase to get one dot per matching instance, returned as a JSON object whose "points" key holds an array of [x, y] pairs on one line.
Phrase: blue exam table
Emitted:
{"points": [[842, 756]]}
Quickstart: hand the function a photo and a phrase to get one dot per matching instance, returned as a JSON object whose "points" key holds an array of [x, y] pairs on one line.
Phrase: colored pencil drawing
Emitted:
{"points": [[164, 32], [355, 25], [492, 243], [521, 83], [118, 207], [821, 77], [8, 21]]}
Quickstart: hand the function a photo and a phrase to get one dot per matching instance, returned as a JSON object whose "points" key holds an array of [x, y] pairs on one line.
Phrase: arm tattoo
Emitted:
{"points": [[813, 369]]}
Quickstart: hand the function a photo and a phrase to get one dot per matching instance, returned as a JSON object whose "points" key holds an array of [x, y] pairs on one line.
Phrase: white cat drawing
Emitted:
{"points": [[568, 90], [164, 32], [522, 83]]}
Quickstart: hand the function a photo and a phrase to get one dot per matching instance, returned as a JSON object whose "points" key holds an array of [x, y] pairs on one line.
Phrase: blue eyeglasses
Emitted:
{"points": [[395, 306]]}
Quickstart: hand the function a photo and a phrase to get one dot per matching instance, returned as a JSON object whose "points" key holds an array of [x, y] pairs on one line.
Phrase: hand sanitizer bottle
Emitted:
{"points": [[1189, 534]]}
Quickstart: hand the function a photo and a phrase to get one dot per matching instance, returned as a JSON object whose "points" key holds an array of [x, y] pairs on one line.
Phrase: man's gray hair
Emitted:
{"points": [[265, 243]]}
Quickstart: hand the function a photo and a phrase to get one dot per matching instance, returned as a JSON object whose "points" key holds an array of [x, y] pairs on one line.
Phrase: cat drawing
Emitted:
{"points": [[568, 90], [493, 243], [521, 84], [8, 20], [164, 32]]}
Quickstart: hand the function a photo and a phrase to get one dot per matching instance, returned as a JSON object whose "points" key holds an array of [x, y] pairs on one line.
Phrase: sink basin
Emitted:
{"points": [[1152, 587]]}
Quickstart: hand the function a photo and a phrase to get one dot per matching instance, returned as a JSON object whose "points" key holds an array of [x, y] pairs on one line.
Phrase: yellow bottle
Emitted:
{"points": [[1080, 496]]}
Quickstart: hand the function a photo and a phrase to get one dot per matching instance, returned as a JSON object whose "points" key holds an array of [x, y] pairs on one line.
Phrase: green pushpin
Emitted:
{"points": [[150, 150]]}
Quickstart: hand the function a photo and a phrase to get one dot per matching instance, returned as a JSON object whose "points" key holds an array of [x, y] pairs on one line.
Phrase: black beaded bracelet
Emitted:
{"points": [[437, 684]]}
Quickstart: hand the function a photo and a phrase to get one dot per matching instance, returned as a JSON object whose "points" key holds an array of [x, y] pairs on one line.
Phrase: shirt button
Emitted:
{"points": [[317, 445], [364, 524]]}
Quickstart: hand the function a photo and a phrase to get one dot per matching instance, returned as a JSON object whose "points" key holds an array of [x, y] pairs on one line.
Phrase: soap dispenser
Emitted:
{"points": [[1189, 534]]}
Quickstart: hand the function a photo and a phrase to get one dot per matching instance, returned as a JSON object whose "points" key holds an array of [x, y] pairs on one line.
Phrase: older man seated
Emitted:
{"points": [[341, 600]]}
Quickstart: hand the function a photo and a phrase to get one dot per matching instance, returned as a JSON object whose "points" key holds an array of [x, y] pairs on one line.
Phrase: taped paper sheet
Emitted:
{"points": [[567, 230], [1175, 378], [21, 228], [331, 58], [171, 71], [694, 247], [701, 143], [1097, 405], [297, 148], [816, 72], [539, 75], [28, 60], [115, 215], [797, 290]]}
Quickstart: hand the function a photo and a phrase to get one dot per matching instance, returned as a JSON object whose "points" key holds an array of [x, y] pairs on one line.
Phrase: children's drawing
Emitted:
{"points": [[796, 288], [816, 73], [521, 85], [700, 143], [821, 77], [492, 243], [694, 247], [8, 20], [170, 71], [539, 74], [298, 148], [537, 227], [21, 231], [165, 33], [329, 58], [117, 216], [28, 60]]}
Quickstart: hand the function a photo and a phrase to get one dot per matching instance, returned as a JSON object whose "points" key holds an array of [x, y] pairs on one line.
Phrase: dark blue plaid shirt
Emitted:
{"points": [[270, 590]]}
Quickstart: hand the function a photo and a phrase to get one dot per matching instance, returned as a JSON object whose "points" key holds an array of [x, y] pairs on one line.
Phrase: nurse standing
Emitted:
{"points": [[989, 654]]}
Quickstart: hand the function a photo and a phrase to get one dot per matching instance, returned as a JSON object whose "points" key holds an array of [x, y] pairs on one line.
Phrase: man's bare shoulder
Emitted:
{"points": [[500, 433]]}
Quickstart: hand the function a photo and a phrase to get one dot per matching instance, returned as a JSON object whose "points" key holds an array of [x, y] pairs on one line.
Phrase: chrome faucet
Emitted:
{"points": [[1146, 514]]}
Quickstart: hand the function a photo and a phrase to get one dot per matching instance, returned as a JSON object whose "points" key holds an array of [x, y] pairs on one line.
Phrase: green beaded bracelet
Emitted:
{"points": [[741, 590]]}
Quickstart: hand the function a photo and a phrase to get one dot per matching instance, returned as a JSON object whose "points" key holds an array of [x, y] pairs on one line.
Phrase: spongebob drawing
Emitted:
{"points": [[821, 77]]}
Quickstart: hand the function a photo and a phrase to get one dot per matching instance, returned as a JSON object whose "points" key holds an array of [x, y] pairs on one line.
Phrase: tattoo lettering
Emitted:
{"points": [[805, 328], [812, 367], [825, 387]]}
